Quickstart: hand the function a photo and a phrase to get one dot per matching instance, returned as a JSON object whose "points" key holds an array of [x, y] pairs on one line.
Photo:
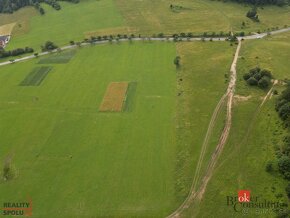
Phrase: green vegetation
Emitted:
{"points": [[15, 52], [258, 77], [151, 16], [36, 76], [112, 164], [95, 15], [75, 161], [59, 58], [201, 84], [9, 6], [257, 137], [48, 46], [264, 2], [65, 132], [177, 61], [252, 14]]}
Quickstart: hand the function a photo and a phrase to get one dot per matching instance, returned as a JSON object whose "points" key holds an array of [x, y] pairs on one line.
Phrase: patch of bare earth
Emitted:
{"points": [[115, 97]]}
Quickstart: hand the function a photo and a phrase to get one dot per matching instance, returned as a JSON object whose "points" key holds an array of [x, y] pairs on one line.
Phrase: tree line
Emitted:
{"points": [[282, 162], [9, 6], [264, 2], [15, 52]]}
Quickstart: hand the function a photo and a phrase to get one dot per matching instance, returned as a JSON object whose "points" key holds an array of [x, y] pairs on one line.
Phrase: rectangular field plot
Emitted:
{"points": [[61, 58], [115, 97], [130, 97], [36, 76]]}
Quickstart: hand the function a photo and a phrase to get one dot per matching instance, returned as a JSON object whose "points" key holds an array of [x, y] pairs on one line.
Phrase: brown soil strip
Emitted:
{"points": [[115, 97]]}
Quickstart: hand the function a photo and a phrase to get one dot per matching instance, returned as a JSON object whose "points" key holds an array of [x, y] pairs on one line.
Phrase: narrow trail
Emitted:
{"points": [[226, 131], [229, 95]]}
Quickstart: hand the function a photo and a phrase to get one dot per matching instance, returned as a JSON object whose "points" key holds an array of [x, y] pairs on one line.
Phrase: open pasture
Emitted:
{"points": [[70, 23], [73, 160], [255, 133], [198, 16], [60, 58], [136, 163]]}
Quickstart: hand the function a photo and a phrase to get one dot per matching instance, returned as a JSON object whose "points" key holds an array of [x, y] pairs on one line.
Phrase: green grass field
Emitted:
{"points": [[201, 83], [198, 16], [253, 137], [36, 76], [73, 160], [70, 23], [129, 16]]}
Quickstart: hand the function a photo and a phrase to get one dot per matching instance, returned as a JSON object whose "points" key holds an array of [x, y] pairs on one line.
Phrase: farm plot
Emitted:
{"points": [[64, 148], [115, 97], [61, 58], [36, 76]]}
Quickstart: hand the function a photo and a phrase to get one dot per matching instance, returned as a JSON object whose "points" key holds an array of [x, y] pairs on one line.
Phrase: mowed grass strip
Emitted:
{"points": [[36, 76], [61, 58], [130, 97], [115, 97]]}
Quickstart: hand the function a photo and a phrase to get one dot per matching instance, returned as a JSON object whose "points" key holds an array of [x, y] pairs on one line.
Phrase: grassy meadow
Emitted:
{"points": [[201, 83], [104, 17], [254, 135], [73, 160], [70, 23], [198, 16]]}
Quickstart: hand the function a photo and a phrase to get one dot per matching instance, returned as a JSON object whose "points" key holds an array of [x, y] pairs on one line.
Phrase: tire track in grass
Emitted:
{"points": [[253, 121], [198, 194]]}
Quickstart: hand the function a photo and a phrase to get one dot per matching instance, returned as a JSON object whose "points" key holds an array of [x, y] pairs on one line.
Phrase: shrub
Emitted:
{"points": [[284, 166], [264, 82], [252, 81], [269, 166]]}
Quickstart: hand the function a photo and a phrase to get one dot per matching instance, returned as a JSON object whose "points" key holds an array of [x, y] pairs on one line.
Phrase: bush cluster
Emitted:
{"points": [[258, 77]]}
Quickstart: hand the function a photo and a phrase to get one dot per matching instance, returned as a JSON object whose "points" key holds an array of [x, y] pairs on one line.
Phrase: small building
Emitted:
{"points": [[4, 40]]}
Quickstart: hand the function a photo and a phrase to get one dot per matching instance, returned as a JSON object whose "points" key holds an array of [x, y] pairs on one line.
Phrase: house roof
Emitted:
{"points": [[3, 37]]}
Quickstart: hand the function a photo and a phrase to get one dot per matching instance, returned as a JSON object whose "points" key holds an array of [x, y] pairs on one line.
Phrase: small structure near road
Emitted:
{"points": [[5, 34], [4, 41]]}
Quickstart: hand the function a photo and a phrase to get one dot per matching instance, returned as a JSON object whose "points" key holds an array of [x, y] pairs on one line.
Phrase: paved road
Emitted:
{"points": [[256, 36]]}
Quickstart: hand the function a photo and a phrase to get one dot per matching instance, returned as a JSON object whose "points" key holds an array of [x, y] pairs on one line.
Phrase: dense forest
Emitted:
{"points": [[9, 6]]}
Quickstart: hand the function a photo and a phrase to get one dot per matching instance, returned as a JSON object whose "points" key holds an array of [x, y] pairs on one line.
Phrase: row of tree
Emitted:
{"points": [[9, 6], [15, 52], [264, 2], [48, 46], [283, 153]]}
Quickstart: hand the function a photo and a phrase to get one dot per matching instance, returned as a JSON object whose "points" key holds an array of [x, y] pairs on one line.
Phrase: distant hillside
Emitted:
{"points": [[9, 6]]}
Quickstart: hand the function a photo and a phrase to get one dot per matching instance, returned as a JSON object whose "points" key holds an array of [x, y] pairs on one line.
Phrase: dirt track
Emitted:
{"points": [[229, 95]]}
